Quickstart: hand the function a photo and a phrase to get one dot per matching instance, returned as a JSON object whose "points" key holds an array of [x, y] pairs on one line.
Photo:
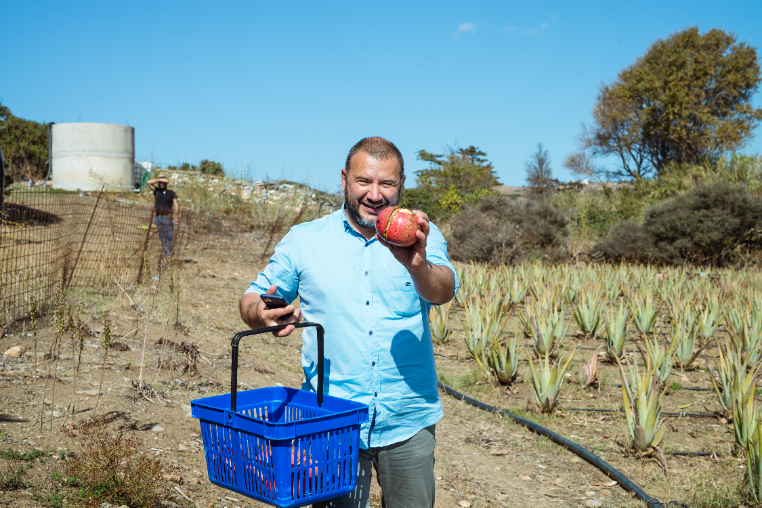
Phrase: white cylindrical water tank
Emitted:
{"points": [[87, 156]]}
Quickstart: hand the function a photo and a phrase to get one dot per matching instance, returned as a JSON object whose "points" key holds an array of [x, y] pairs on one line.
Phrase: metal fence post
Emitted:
{"points": [[84, 237], [145, 248]]}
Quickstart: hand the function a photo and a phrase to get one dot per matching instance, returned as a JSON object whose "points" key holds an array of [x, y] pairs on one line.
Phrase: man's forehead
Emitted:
{"points": [[363, 161]]}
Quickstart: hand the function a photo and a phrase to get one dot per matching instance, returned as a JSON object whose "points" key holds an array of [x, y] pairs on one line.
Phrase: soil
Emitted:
{"points": [[481, 459]]}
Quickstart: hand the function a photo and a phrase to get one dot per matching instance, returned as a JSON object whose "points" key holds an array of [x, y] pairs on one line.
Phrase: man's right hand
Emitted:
{"points": [[255, 313]]}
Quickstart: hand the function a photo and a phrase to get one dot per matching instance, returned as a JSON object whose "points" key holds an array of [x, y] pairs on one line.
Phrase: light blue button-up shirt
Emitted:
{"points": [[378, 348]]}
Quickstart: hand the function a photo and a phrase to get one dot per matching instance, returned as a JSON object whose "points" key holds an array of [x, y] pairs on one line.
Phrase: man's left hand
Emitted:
{"points": [[414, 257]]}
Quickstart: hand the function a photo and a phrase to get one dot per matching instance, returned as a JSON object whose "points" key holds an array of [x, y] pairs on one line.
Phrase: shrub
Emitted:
{"points": [[626, 243], [211, 168], [497, 230], [113, 463], [705, 225], [12, 474]]}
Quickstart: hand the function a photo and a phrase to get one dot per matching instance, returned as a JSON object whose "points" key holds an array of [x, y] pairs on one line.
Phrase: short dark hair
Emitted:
{"points": [[378, 148]]}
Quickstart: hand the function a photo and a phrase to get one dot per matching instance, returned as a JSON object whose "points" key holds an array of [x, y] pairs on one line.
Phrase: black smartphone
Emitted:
{"points": [[275, 302]]}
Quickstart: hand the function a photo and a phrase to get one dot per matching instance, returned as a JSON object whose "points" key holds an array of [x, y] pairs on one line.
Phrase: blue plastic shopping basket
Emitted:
{"points": [[279, 445]]}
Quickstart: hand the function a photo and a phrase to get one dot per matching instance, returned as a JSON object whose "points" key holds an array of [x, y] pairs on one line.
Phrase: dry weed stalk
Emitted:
{"points": [[81, 342], [106, 346], [169, 311], [58, 329], [147, 271]]}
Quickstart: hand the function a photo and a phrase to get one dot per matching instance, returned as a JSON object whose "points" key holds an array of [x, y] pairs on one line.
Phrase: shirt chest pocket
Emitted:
{"points": [[401, 298]]}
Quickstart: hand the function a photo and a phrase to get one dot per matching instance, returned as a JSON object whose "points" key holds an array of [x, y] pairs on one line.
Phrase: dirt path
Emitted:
{"points": [[481, 459]]}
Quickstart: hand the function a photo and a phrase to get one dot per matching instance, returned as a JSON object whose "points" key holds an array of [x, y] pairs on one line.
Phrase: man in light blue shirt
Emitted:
{"points": [[373, 299]]}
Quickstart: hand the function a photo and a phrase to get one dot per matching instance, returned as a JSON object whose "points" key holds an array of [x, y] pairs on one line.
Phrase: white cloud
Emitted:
{"points": [[536, 30], [465, 28]]}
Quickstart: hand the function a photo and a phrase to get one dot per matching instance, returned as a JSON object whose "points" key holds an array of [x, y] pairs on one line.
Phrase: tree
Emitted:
{"points": [[458, 177], [211, 168], [687, 100], [24, 145], [539, 173]]}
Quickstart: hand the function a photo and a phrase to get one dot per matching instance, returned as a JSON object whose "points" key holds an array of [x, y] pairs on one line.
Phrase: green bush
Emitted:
{"points": [[705, 225], [24, 144], [453, 180], [497, 230], [211, 168]]}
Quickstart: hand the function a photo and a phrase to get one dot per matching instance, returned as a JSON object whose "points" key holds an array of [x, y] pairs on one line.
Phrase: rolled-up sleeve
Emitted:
{"points": [[436, 253], [281, 271]]}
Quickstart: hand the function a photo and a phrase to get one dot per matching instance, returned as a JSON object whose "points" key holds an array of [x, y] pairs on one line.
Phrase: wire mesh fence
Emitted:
{"points": [[89, 240], [83, 240]]}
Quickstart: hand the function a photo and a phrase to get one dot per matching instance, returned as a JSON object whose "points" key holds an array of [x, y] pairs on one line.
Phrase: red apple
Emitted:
{"points": [[397, 226]]}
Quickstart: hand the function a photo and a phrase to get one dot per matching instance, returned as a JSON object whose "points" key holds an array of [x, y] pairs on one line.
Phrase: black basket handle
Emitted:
{"points": [[234, 356]]}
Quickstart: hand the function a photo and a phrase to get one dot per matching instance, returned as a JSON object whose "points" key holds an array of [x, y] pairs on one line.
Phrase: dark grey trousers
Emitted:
{"points": [[405, 472]]}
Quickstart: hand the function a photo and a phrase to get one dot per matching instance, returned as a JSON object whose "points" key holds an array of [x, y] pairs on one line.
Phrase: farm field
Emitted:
{"points": [[481, 459]]}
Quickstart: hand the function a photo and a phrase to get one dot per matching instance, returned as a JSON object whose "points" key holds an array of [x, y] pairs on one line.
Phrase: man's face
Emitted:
{"points": [[162, 185], [370, 186]]}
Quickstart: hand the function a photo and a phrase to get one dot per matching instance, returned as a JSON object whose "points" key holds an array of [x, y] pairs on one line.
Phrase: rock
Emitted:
{"points": [[156, 428], [464, 504], [593, 503], [15, 352], [182, 448], [172, 477], [498, 452], [526, 478], [56, 414], [589, 493], [606, 493], [93, 393]]}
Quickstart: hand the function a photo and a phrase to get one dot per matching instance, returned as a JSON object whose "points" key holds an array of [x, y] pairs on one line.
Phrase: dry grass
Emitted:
{"points": [[112, 465]]}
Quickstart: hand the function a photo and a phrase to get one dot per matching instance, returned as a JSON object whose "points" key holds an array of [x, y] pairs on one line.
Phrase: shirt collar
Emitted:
{"points": [[348, 227]]}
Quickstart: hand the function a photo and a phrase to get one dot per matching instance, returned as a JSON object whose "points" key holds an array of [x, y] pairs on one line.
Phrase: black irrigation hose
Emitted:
{"points": [[667, 413], [573, 447]]}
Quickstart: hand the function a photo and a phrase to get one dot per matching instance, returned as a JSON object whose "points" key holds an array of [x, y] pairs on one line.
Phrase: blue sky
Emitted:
{"points": [[284, 89]]}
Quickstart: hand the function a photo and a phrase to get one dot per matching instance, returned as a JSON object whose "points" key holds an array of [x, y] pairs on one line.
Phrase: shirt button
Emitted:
{"points": [[366, 273], [370, 332], [373, 364], [367, 302], [375, 394]]}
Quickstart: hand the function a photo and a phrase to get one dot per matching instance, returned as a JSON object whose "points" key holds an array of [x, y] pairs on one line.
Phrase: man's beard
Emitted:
{"points": [[353, 209]]}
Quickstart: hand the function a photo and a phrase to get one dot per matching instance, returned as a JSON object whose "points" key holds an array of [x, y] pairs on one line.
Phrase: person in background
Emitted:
{"points": [[167, 211]]}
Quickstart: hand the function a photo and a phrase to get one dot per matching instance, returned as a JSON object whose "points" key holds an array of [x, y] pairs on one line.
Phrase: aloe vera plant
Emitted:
{"points": [[709, 318], [754, 458], [660, 357], [745, 417], [615, 332], [645, 312], [749, 341], [733, 380], [477, 329], [504, 361], [642, 396], [438, 319], [516, 290], [547, 380], [588, 312], [685, 339], [546, 328]]}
